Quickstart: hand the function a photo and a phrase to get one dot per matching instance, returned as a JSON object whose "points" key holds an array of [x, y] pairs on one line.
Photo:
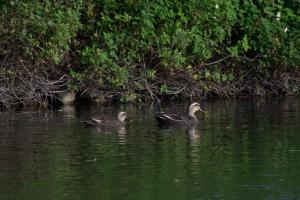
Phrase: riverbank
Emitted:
{"points": [[147, 51], [27, 87]]}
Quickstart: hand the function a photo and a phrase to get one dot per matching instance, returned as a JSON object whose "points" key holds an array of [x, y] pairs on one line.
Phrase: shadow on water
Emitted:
{"points": [[246, 149]]}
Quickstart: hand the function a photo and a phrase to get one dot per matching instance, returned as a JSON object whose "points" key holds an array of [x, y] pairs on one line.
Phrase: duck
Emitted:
{"points": [[67, 98], [174, 119], [107, 121]]}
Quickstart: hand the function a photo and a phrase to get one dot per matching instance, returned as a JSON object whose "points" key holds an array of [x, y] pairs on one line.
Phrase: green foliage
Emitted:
{"points": [[218, 76], [271, 30], [151, 74], [76, 81], [163, 88], [115, 42], [41, 30], [129, 97]]}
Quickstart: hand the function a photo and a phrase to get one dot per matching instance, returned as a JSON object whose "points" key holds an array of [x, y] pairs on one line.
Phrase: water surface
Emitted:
{"points": [[245, 149]]}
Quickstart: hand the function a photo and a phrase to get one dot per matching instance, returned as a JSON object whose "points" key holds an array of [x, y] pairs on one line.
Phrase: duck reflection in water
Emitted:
{"points": [[121, 130], [193, 133]]}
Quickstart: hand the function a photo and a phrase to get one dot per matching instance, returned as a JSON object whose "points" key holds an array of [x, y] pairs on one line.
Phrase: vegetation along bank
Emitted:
{"points": [[147, 50]]}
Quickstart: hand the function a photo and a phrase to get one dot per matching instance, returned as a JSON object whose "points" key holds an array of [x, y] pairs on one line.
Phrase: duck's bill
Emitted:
{"points": [[128, 119], [202, 110]]}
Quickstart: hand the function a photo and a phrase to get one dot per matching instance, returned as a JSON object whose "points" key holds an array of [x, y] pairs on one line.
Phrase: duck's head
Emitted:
{"points": [[194, 107], [122, 116]]}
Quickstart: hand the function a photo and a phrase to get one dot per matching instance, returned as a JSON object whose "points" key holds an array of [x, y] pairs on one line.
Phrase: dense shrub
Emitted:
{"points": [[36, 30], [158, 47]]}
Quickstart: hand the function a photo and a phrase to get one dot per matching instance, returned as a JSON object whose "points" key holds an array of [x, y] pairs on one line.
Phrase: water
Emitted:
{"points": [[246, 149]]}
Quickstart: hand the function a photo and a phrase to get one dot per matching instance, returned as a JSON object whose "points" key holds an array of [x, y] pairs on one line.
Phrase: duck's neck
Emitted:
{"points": [[192, 113], [122, 121]]}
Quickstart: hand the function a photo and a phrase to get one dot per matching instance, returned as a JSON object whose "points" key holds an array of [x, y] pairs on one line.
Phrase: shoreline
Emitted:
{"points": [[281, 85]]}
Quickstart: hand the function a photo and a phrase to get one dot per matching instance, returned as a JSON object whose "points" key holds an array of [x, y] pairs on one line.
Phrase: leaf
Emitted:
{"points": [[163, 88], [245, 43], [233, 51]]}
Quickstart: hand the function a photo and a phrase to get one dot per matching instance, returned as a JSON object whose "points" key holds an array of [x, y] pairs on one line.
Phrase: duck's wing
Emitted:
{"points": [[169, 117], [100, 119], [91, 122], [95, 120]]}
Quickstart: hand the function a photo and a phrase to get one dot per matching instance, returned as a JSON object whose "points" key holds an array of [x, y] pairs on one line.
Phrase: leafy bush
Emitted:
{"points": [[272, 30], [38, 30], [129, 47]]}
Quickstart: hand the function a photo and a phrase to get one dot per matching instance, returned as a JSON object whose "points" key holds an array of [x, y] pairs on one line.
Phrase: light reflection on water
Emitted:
{"points": [[247, 149]]}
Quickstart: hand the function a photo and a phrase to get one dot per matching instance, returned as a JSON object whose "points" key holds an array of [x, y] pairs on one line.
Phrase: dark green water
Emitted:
{"points": [[246, 149]]}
